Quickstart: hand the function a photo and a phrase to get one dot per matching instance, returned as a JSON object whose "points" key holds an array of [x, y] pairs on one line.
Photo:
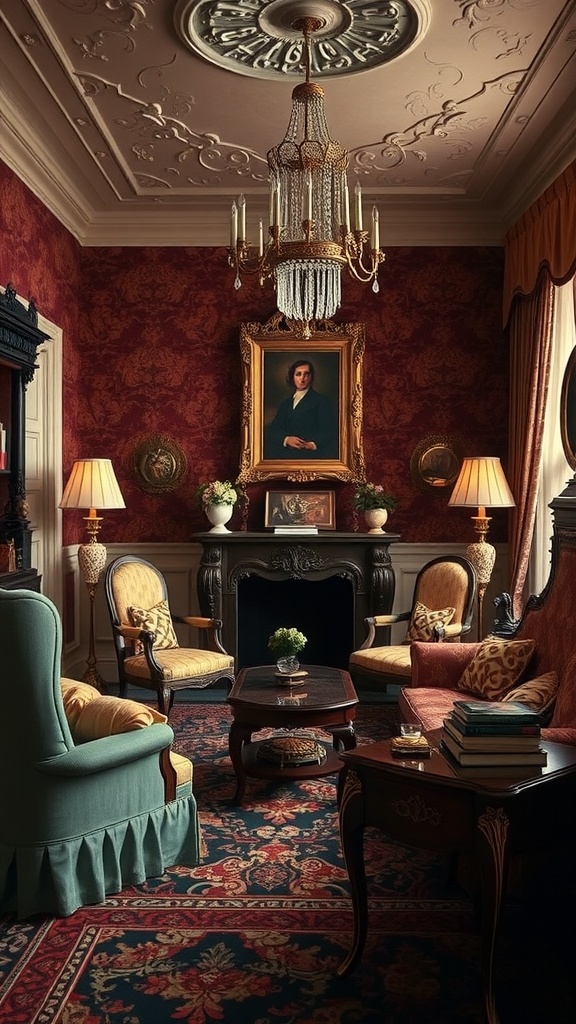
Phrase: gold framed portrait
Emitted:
{"points": [[302, 401], [158, 464]]}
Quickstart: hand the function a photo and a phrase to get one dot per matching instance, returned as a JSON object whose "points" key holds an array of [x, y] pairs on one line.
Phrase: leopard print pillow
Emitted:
{"points": [[496, 667], [424, 619]]}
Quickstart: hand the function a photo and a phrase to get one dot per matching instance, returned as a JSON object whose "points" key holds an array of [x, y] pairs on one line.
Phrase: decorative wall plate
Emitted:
{"points": [[435, 462], [158, 464]]}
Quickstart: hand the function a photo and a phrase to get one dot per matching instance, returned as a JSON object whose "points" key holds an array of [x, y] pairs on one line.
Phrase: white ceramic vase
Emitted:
{"points": [[219, 515], [375, 519]]}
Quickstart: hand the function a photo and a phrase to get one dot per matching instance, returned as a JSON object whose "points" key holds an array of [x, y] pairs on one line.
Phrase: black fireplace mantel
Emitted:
{"points": [[361, 559]]}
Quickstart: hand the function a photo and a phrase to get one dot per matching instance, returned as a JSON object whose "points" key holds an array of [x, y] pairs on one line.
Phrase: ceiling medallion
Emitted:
{"points": [[256, 38]]}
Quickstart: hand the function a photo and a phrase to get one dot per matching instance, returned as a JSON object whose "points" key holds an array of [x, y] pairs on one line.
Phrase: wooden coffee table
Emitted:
{"points": [[326, 699], [434, 806]]}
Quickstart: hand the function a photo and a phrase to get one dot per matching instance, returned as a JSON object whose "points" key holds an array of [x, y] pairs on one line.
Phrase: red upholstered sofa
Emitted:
{"points": [[549, 620]]}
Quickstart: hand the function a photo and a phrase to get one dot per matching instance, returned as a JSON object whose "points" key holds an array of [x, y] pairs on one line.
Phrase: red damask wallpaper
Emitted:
{"points": [[151, 346]]}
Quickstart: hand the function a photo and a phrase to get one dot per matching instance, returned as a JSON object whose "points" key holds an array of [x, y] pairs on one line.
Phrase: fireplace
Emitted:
{"points": [[321, 609], [325, 585]]}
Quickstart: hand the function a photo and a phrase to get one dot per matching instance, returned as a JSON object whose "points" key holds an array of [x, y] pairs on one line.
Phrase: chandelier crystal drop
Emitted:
{"points": [[310, 237]]}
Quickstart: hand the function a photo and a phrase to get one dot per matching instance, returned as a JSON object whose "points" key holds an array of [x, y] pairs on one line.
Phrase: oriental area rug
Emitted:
{"points": [[255, 933]]}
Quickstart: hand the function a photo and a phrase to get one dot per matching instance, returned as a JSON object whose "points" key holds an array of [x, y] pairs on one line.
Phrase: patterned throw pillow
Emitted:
{"points": [[538, 694], [156, 620], [496, 667], [423, 621]]}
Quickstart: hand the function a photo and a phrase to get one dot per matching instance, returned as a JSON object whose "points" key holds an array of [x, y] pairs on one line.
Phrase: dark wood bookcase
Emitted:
{"points": [[19, 341]]}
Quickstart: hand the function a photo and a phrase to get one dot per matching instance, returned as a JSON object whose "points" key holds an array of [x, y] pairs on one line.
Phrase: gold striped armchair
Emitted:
{"points": [[442, 608], [147, 648]]}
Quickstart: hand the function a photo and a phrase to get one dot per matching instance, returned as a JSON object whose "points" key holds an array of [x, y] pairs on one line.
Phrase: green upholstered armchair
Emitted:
{"points": [[442, 607], [78, 820]]}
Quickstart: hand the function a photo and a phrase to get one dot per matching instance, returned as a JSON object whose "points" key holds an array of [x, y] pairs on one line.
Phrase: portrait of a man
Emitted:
{"points": [[302, 402], [301, 406]]}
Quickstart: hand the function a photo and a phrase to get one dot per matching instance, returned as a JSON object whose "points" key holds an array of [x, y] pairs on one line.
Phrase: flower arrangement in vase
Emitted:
{"points": [[375, 503], [217, 500], [285, 643]]}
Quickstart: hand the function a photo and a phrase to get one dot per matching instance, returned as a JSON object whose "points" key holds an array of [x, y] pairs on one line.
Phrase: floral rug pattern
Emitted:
{"points": [[255, 933]]}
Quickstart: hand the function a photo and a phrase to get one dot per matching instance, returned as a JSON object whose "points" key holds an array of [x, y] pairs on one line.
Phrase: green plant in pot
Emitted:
{"points": [[285, 644]]}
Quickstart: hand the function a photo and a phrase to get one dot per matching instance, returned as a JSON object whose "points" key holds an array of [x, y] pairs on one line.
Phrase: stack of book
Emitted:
{"points": [[496, 734], [296, 528]]}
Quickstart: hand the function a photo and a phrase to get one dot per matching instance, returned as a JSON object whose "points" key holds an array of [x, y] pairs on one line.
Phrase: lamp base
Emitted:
{"points": [[482, 555], [93, 678]]}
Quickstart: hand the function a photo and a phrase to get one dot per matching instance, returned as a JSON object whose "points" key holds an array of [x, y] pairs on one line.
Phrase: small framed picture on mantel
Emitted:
{"points": [[306, 509]]}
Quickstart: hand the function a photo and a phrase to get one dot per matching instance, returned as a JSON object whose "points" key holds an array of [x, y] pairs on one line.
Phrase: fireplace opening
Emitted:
{"points": [[321, 609]]}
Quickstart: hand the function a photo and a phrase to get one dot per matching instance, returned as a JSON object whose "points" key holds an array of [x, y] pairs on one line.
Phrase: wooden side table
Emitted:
{"points": [[433, 806]]}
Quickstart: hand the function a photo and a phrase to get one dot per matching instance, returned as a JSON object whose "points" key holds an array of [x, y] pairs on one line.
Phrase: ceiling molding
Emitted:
{"points": [[129, 138]]}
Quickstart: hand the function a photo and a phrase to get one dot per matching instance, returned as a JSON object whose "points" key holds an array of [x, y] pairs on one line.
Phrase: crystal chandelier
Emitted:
{"points": [[310, 234]]}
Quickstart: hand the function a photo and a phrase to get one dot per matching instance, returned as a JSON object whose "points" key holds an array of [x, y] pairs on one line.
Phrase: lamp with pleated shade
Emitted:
{"points": [[481, 484], [92, 485]]}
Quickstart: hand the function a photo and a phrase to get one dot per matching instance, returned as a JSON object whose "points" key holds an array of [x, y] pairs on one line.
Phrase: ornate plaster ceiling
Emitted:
{"points": [[138, 121]]}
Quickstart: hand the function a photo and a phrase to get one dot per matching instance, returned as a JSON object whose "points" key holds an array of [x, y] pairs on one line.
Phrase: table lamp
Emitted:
{"points": [[92, 485], [481, 484]]}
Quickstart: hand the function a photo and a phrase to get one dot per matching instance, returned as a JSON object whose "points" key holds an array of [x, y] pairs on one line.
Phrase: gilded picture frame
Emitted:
{"points": [[268, 353], [158, 464], [300, 508]]}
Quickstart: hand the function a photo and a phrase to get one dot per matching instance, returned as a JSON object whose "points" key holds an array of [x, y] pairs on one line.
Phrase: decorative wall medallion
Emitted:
{"points": [[257, 38], [158, 464], [435, 462]]}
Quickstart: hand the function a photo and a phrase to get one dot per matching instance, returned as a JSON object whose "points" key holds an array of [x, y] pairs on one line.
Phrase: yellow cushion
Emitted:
{"points": [[75, 696], [155, 620], [183, 768], [106, 716], [496, 667], [393, 660], [180, 663], [424, 619], [539, 694]]}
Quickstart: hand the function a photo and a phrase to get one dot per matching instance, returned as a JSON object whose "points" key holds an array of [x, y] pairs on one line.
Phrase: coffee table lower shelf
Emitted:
{"points": [[256, 768]]}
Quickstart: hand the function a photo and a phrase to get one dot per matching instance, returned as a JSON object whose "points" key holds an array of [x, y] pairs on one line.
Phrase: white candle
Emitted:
{"points": [[271, 203], [260, 237], [375, 229], [358, 198], [276, 220], [346, 207], [242, 223], [308, 192], [233, 226]]}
